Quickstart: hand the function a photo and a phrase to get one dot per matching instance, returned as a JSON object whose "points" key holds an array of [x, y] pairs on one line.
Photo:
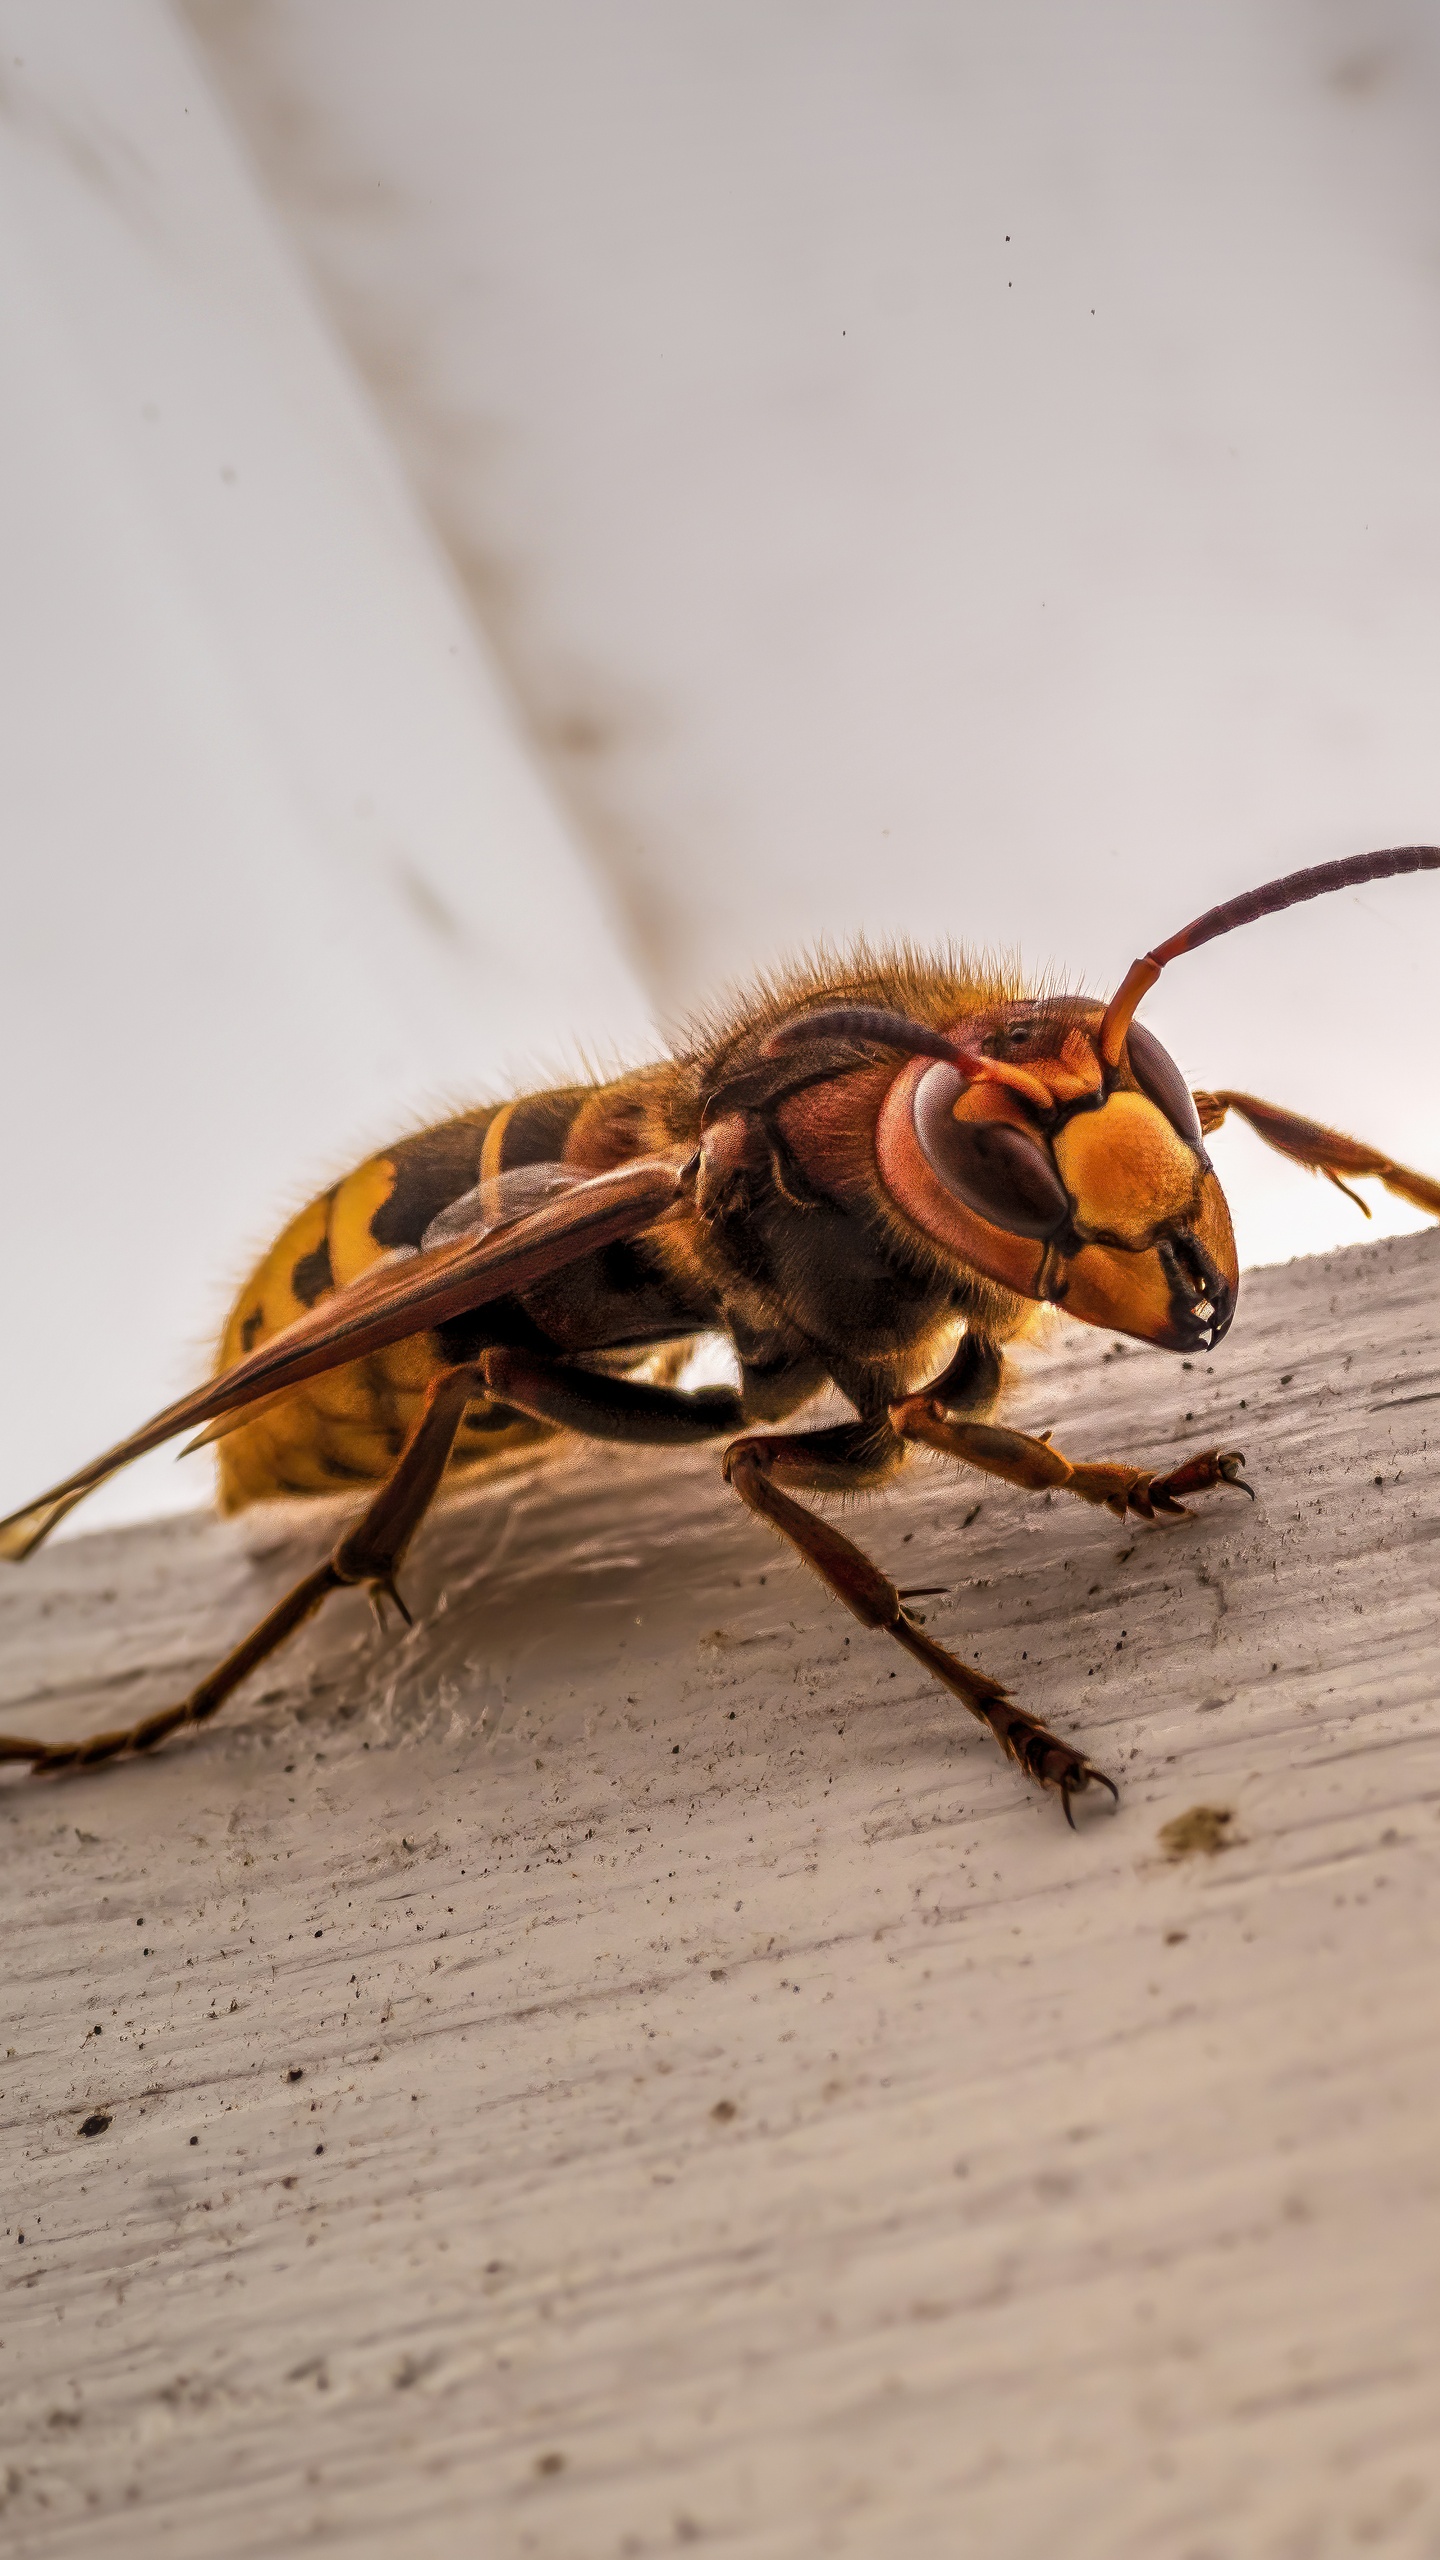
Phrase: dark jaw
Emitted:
{"points": [[1202, 1303]]}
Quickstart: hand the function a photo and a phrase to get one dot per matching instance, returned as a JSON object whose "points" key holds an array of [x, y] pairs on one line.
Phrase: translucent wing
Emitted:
{"points": [[404, 1295], [500, 1202], [480, 1212]]}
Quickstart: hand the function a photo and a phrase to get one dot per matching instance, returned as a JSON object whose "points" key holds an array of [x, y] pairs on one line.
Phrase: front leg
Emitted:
{"points": [[1036, 1467], [851, 1457], [1321, 1150]]}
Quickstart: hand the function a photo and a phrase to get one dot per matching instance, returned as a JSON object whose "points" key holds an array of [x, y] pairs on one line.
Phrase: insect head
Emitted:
{"points": [[1056, 1147]]}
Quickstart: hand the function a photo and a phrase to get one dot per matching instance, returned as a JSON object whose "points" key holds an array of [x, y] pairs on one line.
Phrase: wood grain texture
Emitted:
{"points": [[734, 2111]]}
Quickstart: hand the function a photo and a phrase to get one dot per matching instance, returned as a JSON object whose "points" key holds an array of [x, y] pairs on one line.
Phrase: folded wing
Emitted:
{"points": [[383, 1306]]}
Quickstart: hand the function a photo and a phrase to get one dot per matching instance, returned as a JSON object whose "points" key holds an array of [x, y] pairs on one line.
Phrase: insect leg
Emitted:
{"points": [[854, 1455], [1321, 1150], [1036, 1467], [608, 1408], [371, 1552]]}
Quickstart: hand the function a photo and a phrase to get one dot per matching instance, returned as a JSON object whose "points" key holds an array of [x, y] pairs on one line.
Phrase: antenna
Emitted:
{"points": [[1292, 891]]}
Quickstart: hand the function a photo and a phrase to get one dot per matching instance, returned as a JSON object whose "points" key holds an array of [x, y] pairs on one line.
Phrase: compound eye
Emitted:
{"points": [[1158, 1076], [997, 1171]]}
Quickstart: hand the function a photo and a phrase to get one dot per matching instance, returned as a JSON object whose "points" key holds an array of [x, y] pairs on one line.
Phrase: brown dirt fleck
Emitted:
{"points": [[1200, 1833]]}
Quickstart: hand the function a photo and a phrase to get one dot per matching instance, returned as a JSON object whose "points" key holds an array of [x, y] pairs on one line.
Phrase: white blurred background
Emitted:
{"points": [[518, 512]]}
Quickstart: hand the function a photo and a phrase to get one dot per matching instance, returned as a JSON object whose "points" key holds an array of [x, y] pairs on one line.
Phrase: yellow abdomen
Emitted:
{"points": [[347, 1427]]}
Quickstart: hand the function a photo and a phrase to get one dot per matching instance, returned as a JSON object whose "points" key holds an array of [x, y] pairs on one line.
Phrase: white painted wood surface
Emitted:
{"points": [[734, 2110]]}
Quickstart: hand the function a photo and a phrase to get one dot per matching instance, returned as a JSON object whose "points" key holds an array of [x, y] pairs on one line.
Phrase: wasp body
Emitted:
{"points": [[804, 1281], [867, 1179]]}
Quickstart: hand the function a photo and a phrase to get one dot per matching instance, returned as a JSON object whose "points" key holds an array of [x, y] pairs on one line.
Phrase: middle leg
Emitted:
{"points": [[851, 1457]]}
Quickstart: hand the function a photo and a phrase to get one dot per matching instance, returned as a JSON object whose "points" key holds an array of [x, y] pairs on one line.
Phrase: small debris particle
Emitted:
{"points": [[319, 2147], [724, 2111], [91, 2126], [1176, 1937], [194, 2138], [1200, 1833], [296, 2071], [547, 2464]]}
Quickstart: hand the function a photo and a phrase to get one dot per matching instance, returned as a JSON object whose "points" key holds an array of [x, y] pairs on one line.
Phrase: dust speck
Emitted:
{"points": [[1200, 1833]]}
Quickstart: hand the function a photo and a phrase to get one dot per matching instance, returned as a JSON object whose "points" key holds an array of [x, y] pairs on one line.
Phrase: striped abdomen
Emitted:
{"points": [[346, 1428]]}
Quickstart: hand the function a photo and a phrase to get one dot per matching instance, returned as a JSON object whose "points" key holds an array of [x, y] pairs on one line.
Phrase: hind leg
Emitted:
{"points": [[370, 1553], [373, 1550]]}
